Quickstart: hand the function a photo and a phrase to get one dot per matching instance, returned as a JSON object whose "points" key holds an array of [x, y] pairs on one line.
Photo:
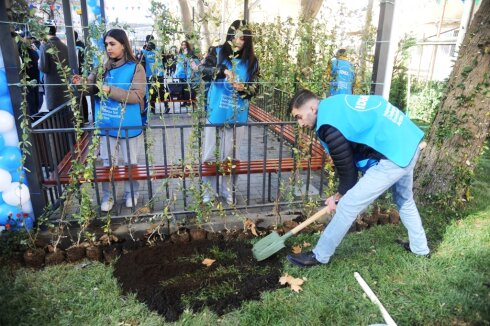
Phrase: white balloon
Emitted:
{"points": [[5, 180], [17, 194], [11, 138], [27, 207], [7, 120]]}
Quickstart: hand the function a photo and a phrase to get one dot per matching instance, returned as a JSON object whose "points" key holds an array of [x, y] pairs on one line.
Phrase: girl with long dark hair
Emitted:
{"points": [[124, 85], [233, 70]]}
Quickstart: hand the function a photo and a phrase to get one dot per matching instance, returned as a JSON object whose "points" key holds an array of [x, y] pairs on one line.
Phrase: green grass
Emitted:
{"points": [[452, 287]]}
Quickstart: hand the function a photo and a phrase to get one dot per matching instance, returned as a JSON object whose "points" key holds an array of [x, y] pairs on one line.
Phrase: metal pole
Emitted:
{"points": [[246, 12], [383, 58], [83, 4], [102, 10], [469, 6], [70, 37], [11, 62]]}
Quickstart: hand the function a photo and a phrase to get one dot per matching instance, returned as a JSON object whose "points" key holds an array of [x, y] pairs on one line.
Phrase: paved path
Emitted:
{"points": [[172, 141]]}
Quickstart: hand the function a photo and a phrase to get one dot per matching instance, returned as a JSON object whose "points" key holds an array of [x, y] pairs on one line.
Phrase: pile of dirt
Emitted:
{"points": [[171, 277]]}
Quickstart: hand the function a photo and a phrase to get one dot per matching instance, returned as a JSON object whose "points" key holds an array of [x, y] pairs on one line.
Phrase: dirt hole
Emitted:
{"points": [[169, 278]]}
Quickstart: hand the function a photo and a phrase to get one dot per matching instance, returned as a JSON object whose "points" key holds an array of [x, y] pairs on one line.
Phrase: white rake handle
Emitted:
{"points": [[389, 321]]}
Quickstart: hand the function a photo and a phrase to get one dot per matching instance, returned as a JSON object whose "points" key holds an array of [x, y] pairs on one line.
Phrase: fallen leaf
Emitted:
{"points": [[250, 225], [294, 283], [151, 229], [208, 262], [284, 279], [143, 210], [296, 249], [306, 244]]}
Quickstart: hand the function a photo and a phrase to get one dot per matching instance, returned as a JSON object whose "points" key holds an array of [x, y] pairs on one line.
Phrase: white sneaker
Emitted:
{"points": [[229, 199], [106, 205], [206, 198], [129, 201]]}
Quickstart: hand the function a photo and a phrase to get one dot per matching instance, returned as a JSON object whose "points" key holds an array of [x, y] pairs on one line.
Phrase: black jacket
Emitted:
{"points": [[344, 154], [211, 70]]}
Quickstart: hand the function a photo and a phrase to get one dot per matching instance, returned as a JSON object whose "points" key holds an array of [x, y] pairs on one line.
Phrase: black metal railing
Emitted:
{"points": [[172, 169], [165, 150]]}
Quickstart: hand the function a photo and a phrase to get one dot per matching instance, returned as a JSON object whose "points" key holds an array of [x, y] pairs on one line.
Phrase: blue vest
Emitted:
{"points": [[108, 113], [182, 68], [225, 105], [372, 121], [151, 68], [342, 75]]}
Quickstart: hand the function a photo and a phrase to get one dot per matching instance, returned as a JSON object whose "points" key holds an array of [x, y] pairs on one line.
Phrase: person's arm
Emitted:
{"points": [[210, 68], [86, 86], [142, 61], [44, 59], [251, 88], [342, 155], [136, 92]]}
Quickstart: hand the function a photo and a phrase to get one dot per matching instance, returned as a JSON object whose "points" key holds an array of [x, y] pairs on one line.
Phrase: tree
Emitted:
{"points": [[203, 17], [461, 126], [310, 8], [186, 17]]}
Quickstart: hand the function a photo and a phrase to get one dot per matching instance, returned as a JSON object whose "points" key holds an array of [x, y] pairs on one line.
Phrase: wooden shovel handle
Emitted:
{"points": [[310, 220]]}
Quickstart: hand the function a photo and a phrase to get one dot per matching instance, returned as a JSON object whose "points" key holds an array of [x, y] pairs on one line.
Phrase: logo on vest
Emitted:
{"points": [[362, 103], [393, 114]]}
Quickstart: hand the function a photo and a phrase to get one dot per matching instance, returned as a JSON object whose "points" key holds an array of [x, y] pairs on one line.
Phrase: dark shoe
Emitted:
{"points": [[304, 259], [406, 246]]}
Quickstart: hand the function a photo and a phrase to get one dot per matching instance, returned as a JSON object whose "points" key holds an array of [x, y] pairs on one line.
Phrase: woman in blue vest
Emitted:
{"points": [[342, 74], [124, 88], [233, 69], [184, 72], [367, 134], [152, 61]]}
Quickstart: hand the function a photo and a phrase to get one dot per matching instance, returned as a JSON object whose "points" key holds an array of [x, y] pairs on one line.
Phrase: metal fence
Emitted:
{"points": [[176, 147]]}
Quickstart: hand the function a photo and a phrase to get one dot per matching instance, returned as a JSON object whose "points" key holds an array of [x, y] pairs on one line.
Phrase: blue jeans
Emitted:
{"points": [[377, 180]]}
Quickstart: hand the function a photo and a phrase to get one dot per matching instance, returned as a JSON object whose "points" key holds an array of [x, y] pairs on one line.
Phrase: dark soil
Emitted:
{"points": [[75, 253], [55, 258], [34, 257], [94, 253], [171, 277]]}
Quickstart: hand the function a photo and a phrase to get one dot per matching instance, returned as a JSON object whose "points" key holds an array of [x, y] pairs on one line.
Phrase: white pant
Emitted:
{"points": [[226, 144], [117, 145], [377, 180]]}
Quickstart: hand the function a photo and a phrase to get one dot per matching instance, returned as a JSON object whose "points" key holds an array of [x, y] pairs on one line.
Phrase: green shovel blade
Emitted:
{"points": [[269, 245]]}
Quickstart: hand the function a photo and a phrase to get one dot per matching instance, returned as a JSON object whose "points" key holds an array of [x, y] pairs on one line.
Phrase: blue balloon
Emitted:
{"points": [[8, 210], [6, 105], [4, 90], [1, 199], [16, 176], [28, 222], [2, 142], [10, 158]]}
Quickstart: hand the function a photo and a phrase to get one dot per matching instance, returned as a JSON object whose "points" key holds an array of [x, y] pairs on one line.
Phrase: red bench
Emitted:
{"points": [[288, 132]]}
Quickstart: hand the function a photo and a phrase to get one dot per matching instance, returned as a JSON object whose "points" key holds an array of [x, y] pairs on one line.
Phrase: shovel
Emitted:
{"points": [[274, 242]]}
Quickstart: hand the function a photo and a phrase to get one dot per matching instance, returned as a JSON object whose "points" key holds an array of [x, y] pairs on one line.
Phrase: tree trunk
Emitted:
{"points": [[461, 126], [306, 50], [310, 8], [186, 18], [205, 40]]}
